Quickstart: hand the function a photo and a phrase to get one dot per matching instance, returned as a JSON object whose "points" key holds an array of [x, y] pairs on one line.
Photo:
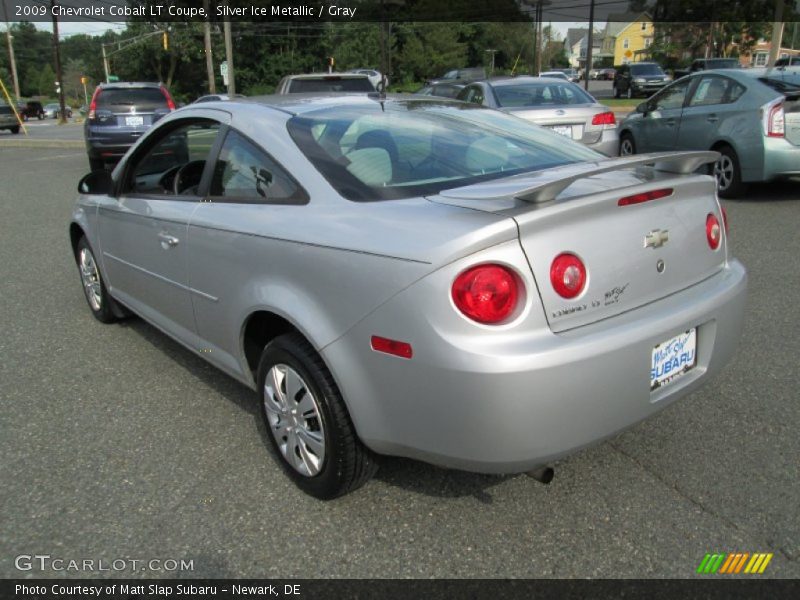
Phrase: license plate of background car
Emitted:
{"points": [[672, 358], [564, 130], [134, 121]]}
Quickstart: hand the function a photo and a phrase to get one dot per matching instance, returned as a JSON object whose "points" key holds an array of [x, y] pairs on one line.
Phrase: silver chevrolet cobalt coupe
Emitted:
{"points": [[415, 277]]}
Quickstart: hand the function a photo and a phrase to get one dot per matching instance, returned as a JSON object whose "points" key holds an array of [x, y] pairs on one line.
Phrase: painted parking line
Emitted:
{"points": [[71, 155]]}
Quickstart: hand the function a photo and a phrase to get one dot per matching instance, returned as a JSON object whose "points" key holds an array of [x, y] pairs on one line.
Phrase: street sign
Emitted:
{"points": [[223, 70], [113, 78]]}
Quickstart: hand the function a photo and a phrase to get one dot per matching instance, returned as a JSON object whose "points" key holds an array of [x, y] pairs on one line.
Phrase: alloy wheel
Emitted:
{"points": [[90, 277], [294, 419], [723, 171]]}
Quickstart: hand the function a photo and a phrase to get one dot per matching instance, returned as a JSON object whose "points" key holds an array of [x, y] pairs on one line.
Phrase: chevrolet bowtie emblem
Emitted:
{"points": [[656, 238]]}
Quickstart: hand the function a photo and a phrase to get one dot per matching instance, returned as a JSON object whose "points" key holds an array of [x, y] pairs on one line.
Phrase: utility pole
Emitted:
{"points": [[229, 55], [491, 68], [777, 34], [539, 49], [57, 55], [212, 82], [105, 61], [590, 41], [11, 58]]}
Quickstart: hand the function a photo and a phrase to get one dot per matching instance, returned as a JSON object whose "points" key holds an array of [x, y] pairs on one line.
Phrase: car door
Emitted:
{"points": [[712, 102], [250, 196], [143, 230], [658, 127]]}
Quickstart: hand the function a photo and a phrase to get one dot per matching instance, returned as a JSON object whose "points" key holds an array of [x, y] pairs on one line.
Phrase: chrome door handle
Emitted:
{"points": [[168, 241]]}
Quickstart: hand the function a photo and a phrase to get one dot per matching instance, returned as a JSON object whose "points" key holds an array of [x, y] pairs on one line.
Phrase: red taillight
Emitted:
{"points": [[713, 231], [394, 347], [93, 103], [568, 275], [776, 121], [486, 293], [606, 118], [644, 197], [170, 103]]}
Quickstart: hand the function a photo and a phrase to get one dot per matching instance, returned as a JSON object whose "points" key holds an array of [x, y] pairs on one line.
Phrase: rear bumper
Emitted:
{"points": [[465, 403], [781, 158], [608, 143]]}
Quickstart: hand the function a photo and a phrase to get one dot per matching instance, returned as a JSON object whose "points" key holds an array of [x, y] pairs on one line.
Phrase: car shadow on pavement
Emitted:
{"points": [[775, 191], [407, 474]]}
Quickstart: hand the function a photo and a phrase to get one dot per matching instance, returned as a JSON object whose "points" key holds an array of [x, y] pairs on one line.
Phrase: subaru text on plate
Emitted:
{"points": [[415, 277]]}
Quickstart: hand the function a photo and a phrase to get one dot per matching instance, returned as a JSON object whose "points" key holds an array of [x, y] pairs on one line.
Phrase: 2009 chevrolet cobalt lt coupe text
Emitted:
{"points": [[415, 277]]}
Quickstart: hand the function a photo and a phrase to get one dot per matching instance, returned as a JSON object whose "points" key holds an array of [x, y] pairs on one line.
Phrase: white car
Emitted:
{"points": [[373, 75]]}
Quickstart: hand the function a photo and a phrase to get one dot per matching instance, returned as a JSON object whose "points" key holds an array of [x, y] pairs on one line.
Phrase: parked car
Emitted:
{"points": [[639, 79], [53, 111], [33, 109], [559, 105], [443, 90], [119, 113], [8, 120], [218, 98], [750, 116], [602, 74], [314, 83], [459, 75], [375, 77], [708, 64], [573, 75], [416, 277], [554, 75]]}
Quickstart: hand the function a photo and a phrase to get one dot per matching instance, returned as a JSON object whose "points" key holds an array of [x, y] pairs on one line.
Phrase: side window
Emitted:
{"points": [[716, 90], [472, 94], [174, 164], [245, 173], [671, 97]]}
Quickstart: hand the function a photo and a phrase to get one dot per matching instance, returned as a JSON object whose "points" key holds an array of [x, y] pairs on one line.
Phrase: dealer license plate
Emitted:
{"points": [[564, 130], [134, 121], [672, 358]]}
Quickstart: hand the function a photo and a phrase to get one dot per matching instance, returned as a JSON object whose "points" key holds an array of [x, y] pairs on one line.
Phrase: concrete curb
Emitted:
{"points": [[23, 143]]}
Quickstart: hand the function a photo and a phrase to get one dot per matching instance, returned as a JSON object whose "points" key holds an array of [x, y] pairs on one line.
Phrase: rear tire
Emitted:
{"points": [[310, 430], [616, 92], [728, 173], [15, 129]]}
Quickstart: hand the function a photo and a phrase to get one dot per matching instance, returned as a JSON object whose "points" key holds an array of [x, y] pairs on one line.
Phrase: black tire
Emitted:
{"points": [[15, 129], [96, 164], [40, 116], [626, 141], [106, 310], [616, 91], [347, 464], [630, 93], [728, 173]]}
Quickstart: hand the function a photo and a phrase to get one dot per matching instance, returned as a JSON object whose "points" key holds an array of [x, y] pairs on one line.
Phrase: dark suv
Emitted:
{"points": [[33, 109], [119, 114], [639, 79]]}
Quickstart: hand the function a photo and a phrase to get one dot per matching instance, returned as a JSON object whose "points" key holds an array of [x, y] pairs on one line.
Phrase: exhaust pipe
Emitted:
{"points": [[542, 474]]}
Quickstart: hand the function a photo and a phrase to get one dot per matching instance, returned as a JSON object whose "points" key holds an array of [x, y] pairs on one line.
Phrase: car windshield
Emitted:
{"points": [[142, 98], [646, 70], [722, 63], [543, 94], [331, 84], [415, 147]]}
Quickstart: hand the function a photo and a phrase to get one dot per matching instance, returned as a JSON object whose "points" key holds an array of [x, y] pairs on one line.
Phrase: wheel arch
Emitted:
{"points": [[76, 232]]}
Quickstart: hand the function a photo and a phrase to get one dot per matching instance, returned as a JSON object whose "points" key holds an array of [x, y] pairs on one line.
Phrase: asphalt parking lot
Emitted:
{"points": [[117, 443]]}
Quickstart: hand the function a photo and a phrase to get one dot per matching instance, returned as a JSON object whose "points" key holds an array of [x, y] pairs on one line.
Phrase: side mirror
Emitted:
{"points": [[642, 108], [381, 87], [96, 182]]}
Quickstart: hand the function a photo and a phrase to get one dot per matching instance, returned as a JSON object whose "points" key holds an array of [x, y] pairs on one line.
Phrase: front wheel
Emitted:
{"points": [[309, 427], [626, 145], [100, 302], [630, 92], [15, 129], [728, 173], [616, 92]]}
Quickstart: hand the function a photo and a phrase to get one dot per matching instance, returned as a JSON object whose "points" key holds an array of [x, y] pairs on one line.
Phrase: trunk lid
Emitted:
{"points": [[574, 121], [621, 246]]}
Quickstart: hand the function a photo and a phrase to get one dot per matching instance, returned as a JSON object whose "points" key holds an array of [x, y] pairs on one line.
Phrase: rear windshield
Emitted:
{"points": [[646, 70], [331, 84], [722, 63], [141, 98], [416, 147], [541, 94]]}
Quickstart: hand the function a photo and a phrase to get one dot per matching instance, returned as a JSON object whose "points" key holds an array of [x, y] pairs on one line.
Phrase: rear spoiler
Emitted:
{"points": [[545, 185]]}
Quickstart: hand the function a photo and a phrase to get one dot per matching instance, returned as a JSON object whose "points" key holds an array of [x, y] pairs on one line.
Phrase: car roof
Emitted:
{"points": [[340, 75], [297, 104], [129, 84]]}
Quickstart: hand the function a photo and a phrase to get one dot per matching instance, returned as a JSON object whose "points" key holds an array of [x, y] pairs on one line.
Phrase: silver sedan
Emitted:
{"points": [[554, 103], [415, 277]]}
